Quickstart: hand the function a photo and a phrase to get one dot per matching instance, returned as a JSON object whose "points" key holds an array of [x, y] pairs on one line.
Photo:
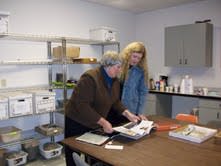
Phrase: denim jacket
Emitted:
{"points": [[135, 91]]}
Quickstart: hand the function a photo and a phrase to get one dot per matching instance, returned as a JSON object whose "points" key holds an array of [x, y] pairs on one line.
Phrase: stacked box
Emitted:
{"points": [[20, 103], [71, 52], [43, 101], [3, 108]]}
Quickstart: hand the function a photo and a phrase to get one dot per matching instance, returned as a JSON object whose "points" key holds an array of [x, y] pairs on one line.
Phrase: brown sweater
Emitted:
{"points": [[91, 99]]}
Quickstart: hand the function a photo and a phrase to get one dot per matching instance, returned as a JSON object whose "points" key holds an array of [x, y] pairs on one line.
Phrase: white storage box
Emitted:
{"points": [[19, 103], [43, 101], [17, 158], [4, 20], [104, 34], [3, 108], [50, 150]]}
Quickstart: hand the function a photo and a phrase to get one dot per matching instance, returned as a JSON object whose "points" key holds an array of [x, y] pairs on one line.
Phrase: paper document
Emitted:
{"points": [[93, 138]]}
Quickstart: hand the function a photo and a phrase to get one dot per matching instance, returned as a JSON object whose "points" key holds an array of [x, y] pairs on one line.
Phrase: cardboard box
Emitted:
{"points": [[71, 52], [104, 34], [43, 101], [20, 103], [4, 20]]}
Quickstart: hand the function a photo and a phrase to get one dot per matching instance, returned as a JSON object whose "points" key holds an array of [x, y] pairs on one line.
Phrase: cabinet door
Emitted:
{"points": [[209, 111], [173, 46], [158, 104], [197, 45], [189, 45], [150, 105], [207, 115]]}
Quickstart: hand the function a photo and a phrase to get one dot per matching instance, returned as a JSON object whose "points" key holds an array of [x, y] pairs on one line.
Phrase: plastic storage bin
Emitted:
{"points": [[3, 108], [9, 134], [49, 129], [16, 158], [103, 34], [50, 150]]}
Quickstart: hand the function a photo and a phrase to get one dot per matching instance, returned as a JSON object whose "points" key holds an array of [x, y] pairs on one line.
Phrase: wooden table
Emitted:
{"points": [[157, 149]]}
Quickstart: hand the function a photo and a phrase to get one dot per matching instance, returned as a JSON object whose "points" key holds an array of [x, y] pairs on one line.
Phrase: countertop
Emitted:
{"points": [[217, 96]]}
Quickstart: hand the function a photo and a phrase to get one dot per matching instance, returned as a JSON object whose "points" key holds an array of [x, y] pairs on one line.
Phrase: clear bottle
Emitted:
{"points": [[186, 85]]}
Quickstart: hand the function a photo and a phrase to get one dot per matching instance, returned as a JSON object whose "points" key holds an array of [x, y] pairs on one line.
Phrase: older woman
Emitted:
{"points": [[97, 91]]}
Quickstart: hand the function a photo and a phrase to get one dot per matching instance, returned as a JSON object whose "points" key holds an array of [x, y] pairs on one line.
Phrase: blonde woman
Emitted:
{"points": [[134, 78]]}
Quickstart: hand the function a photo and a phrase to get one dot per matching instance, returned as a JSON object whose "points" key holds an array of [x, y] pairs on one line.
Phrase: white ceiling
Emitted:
{"points": [[139, 6]]}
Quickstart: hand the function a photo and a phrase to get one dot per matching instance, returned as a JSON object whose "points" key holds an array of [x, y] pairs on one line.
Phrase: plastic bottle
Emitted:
{"points": [[186, 85], [190, 86], [182, 86]]}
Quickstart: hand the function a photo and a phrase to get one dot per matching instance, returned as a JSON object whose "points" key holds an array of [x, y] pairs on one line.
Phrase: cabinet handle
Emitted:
{"points": [[185, 61], [217, 115]]}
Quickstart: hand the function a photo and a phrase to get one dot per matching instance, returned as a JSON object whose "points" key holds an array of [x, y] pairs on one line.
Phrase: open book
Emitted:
{"points": [[193, 133], [135, 130]]}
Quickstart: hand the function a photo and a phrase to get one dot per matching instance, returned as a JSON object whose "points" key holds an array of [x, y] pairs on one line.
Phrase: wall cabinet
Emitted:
{"points": [[189, 45], [158, 104], [209, 111]]}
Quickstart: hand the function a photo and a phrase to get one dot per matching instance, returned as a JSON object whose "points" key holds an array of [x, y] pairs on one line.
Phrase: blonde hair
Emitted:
{"points": [[126, 55]]}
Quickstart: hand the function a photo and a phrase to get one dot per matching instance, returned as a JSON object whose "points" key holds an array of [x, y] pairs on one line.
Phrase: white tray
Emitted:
{"points": [[193, 133]]}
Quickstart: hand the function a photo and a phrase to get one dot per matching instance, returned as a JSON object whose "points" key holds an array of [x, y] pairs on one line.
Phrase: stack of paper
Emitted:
{"points": [[93, 138]]}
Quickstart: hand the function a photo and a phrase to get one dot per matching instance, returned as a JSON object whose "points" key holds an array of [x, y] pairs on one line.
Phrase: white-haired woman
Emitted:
{"points": [[97, 91]]}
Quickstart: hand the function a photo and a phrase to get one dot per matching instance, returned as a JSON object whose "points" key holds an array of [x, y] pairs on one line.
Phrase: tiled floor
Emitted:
{"points": [[58, 161]]}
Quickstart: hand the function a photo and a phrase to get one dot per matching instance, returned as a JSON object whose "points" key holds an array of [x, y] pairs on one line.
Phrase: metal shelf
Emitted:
{"points": [[48, 61], [27, 62], [56, 39], [26, 136], [39, 87]]}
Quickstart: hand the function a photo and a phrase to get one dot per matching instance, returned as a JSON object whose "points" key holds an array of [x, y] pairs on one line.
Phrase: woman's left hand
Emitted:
{"points": [[142, 117], [130, 116]]}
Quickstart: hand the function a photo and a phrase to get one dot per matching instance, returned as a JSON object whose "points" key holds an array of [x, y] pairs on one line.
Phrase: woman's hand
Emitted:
{"points": [[130, 116], [107, 127], [142, 117]]}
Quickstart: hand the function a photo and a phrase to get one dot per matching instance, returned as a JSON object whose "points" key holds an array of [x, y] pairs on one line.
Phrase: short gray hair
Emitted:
{"points": [[111, 58]]}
